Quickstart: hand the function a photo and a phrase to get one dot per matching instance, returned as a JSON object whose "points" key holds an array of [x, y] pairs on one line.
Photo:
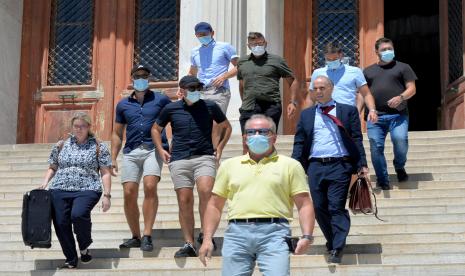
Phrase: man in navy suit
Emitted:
{"points": [[328, 144]]}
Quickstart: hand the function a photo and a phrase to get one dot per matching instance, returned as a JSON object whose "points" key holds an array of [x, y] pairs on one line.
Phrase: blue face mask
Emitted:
{"points": [[140, 84], [193, 96], [387, 56], [258, 144], [334, 64], [205, 39]]}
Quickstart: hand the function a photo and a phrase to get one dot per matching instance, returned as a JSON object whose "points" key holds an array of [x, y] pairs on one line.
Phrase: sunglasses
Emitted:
{"points": [[260, 131]]}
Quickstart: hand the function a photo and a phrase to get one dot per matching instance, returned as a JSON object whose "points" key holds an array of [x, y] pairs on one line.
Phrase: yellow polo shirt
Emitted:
{"points": [[260, 190]]}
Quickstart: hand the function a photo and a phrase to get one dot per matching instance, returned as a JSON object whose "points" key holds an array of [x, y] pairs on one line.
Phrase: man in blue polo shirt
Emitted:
{"points": [[210, 63], [192, 159], [136, 114]]}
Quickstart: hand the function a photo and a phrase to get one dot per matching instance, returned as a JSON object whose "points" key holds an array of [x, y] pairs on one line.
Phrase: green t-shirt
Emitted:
{"points": [[261, 78]]}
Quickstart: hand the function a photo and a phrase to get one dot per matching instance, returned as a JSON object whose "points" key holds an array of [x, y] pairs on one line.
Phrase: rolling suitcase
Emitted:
{"points": [[36, 218]]}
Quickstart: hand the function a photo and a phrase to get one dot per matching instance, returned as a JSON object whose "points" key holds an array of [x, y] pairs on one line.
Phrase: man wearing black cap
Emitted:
{"points": [[210, 63], [192, 159], [137, 113]]}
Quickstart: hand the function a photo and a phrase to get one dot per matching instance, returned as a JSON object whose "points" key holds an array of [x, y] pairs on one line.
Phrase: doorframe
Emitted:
{"points": [[298, 45]]}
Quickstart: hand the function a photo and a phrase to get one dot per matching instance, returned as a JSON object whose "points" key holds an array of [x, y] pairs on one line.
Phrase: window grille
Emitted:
{"points": [[335, 20], [455, 40], [71, 41], [156, 37]]}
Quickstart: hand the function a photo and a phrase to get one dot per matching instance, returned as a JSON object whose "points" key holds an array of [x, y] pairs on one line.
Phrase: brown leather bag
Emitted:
{"points": [[360, 198]]}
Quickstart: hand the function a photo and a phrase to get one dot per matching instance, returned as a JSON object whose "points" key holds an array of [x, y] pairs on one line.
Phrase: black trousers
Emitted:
{"points": [[270, 109]]}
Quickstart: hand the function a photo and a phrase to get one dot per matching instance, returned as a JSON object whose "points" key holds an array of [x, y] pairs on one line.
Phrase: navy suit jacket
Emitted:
{"points": [[349, 117]]}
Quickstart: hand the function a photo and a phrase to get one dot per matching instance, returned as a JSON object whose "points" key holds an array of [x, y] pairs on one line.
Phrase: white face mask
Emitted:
{"points": [[258, 50]]}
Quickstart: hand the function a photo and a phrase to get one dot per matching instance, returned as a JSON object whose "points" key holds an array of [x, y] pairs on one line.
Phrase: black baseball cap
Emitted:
{"points": [[189, 81], [140, 67], [203, 27]]}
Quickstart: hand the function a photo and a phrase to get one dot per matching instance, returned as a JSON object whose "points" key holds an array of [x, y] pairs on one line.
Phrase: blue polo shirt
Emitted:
{"points": [[212, 60], [139, 119], [347, 80], [191, 127]]}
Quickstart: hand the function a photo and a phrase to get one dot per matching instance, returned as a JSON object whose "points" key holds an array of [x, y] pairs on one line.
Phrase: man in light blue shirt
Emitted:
{"points": [[210, 64], [348, 81]]}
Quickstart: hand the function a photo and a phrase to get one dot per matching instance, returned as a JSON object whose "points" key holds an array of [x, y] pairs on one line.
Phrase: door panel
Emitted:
{"points": [[57, 117]]}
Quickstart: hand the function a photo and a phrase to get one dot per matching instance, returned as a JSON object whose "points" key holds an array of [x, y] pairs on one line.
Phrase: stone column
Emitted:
{"points": [[228, 19], [11, 12]]}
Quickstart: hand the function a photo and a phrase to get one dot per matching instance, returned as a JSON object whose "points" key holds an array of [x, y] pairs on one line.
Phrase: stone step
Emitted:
{"points": [[306, 261], [360, 224], [384, 199], [173, 238], [170, 211], [167, 251], [349, 270]]}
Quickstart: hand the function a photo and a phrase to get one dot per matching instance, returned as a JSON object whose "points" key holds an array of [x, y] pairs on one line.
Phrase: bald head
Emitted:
{"points": [[322, 89]]}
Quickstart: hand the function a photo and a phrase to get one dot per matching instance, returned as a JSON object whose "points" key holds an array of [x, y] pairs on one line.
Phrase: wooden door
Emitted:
{"points": [[77, 56]]}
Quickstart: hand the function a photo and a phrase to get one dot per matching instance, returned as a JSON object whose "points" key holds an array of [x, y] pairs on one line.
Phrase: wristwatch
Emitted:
{"points": [[107, 195], [307, 237], [293, 102], [402, 97]]}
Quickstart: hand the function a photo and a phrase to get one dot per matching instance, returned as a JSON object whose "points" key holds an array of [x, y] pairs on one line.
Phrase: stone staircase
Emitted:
{"points": [[424, 233]]}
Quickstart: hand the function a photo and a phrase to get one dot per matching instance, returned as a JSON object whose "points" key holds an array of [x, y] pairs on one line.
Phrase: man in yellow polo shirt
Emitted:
{"points": [[261, 188]]}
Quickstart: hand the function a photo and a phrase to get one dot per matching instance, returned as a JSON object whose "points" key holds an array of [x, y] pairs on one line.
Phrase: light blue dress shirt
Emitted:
{"points": [[327, 141], [212, 60], [347, 80]]}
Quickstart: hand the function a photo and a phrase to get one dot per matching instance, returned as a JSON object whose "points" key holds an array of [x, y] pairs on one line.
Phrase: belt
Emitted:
{"points": [[329, 159], [143, 146], [259, 220]]}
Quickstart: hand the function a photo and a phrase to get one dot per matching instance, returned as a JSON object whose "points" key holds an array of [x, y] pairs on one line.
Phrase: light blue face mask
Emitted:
{"points": [[334, 64], [205, 39], [140, 84], [258, 144], [387, 56], [193, 96]]}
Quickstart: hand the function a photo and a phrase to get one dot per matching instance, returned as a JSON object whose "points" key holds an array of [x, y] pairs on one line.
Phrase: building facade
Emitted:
{"points": [[77, 54]]}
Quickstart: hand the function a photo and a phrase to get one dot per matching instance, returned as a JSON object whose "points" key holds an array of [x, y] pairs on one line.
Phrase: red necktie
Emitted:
{"points": [[326, 110]]}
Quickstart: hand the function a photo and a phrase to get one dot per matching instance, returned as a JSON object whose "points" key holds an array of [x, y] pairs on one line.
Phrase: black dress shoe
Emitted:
{"points": [[335, 256], [402, 175]]}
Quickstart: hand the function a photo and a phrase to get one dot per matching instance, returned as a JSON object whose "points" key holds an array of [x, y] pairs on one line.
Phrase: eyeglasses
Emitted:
{"points": [[136, 77], [195, 88], [260, 131], [80, 126], [253, 44]]}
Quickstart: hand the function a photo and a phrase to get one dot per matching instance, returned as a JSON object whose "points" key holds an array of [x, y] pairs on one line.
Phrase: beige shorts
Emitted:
{"points": [[139, 163], [220, 96], [185, 172]]}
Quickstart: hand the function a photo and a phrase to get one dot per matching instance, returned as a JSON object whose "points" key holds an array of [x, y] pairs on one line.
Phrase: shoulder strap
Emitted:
{"points": [[97, 153], [61, 143]]}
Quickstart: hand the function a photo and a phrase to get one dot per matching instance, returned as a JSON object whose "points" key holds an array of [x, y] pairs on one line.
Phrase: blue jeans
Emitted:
{"points": [[397, 126], [245, 243]]}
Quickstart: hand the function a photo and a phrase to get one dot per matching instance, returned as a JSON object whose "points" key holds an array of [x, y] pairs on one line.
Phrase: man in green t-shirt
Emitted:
{"points": [[259, 74]]}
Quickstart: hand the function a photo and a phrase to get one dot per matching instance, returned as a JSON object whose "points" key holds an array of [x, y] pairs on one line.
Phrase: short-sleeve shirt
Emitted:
{"points": [[388, 81], [77, 165], [347, 80], [260, 190], [139, 119], [191, 126], [212, 60], [261, 77]]}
